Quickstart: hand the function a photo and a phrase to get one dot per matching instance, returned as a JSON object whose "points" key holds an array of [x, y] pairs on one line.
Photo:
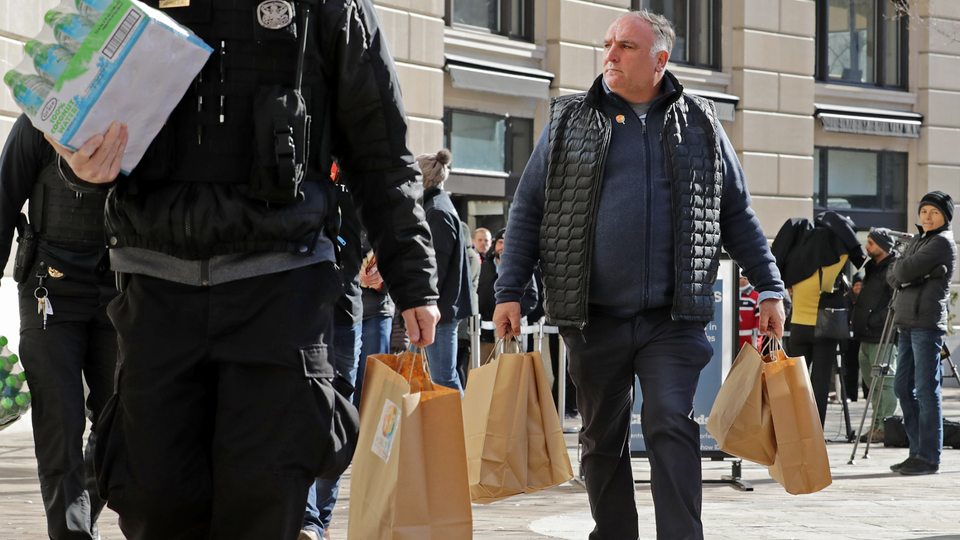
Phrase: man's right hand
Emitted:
{"points": [[98, 160], [507, 318]]}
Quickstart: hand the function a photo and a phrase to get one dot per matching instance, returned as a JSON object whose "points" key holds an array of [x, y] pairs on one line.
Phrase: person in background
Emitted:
{"points": [[347, 326], [811, 257], [922, 274], [378, 314], [489, 272], [482, 242], [749, 314], [463, 329], [869, 318], [850, 348], [453, 268], [74, 342]]}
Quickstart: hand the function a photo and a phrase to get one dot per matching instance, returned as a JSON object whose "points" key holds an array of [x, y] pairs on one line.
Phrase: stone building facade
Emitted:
{"points": [[830, 103]]}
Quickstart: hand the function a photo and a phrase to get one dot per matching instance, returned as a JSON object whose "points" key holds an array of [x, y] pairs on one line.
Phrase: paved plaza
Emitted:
{"points": [[865, 502]]}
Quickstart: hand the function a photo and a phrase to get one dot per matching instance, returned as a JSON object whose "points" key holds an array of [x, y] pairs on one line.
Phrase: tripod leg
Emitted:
{"points": [[842, 396]]}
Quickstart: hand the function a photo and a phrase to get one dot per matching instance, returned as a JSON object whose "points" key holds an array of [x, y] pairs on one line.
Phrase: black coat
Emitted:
{"points": [[923, 300], [453, 268], [488, 300], [870, 312]]}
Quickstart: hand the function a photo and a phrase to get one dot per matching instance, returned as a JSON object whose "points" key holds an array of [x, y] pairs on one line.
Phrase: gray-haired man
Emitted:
{"points": [[635, 153]]}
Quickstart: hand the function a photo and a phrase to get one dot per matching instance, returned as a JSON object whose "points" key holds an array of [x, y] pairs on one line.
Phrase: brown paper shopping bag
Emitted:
{"points": [[409, 476], [514, 440], [741, 420], [802, 465]]}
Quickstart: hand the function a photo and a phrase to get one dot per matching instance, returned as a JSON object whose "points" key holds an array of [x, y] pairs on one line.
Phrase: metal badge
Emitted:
{"points": [[54, 273], [164, 4], [275, 14]]}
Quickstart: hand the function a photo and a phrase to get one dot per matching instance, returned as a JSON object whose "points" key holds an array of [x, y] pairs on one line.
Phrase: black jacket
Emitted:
{"points": [[348, 310], [450, 244], [26, 157], [486, 294], [353, 96], [870, 311], [923, 299]]}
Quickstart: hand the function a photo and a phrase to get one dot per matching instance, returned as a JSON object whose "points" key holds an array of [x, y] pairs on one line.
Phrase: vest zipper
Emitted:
{"points": [[588, 259], [646, 267]]}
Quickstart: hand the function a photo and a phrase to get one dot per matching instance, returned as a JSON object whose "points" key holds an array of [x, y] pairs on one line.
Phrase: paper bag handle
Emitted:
{"points": [[423, 361]]}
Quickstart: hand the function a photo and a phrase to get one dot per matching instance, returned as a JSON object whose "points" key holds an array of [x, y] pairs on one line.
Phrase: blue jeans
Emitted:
{"points": [[917, 385], [442, 356], [376, 340], [322, 496]]}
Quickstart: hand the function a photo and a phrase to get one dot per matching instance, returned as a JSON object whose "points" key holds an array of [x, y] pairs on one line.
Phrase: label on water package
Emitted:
{"points": [[386, 431]]}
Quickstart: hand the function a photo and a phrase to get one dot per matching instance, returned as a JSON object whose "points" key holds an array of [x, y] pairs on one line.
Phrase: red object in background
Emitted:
{"points": [[749, 318], [334, 172]]}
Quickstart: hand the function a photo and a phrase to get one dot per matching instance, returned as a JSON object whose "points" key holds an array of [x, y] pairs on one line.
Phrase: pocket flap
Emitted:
{"points": [[316, 361]]}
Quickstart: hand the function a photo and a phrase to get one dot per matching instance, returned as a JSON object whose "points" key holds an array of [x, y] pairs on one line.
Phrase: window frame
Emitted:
{"points": [[506, 20], [694, 28], [879, 53], [863, 217], [508, 139]]}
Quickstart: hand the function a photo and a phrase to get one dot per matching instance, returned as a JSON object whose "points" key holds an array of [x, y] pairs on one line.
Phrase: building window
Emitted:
{"points": [[861, 42], [487, 142], [868, 186], [697, 23], [511, 18]]}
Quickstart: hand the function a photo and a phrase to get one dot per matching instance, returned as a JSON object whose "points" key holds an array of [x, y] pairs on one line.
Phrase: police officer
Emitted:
{"points": [[65, 334], [225, 235]]}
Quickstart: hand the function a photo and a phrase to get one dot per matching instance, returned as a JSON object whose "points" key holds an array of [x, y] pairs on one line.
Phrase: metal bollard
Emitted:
{"points": [[475, 342]]}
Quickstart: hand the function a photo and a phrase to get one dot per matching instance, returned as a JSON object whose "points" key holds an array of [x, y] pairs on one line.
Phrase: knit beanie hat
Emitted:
{"points": [[941, 201], [881, 237], [435, 167]]}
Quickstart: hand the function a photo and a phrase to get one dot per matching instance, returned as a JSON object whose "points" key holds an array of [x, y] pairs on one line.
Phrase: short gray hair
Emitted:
{"points": [[666, 36]]}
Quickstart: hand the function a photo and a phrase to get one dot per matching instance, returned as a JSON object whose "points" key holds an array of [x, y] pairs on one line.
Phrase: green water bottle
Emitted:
{"points": [[71, 29], [8, 407], [29, 91], [50, 59], [23, 401], [3, 341], [6, 365], [14, 382], [92, 9]]}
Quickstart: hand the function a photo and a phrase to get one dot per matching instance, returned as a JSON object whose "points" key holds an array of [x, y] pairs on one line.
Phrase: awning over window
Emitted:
{"points": [[483, 76], [725, 104], [861, 121]]}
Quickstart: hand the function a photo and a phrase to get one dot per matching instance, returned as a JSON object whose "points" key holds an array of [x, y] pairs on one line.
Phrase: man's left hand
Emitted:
{"points": [[772, 317], [98, 160]]}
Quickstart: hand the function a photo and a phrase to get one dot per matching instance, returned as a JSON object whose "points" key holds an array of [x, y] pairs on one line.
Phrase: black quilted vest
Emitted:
{"points": [[579, 139]]}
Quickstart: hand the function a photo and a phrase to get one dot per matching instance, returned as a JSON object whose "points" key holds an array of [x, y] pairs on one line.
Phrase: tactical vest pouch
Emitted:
{"points": [[26, 249], [281, 145]]}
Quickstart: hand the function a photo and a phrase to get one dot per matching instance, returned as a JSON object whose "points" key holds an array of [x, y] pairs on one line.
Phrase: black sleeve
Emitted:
{"points": [[370, 131], [24, 156], [919, 264], [445, 236]]}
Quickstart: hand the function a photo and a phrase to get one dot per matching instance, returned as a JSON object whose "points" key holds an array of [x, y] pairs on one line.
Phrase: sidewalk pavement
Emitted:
{"points": [[865, 502]]}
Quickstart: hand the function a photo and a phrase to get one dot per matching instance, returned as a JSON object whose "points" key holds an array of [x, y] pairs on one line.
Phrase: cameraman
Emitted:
{"points": [[923, 276], [869, 319]]}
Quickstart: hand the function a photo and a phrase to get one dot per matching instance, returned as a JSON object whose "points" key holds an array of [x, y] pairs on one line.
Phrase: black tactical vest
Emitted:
{"points": [[62, 216], [579, 140], [210, 135]]}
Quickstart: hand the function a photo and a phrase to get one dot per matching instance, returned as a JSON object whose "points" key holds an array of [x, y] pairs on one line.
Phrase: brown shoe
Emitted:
{"points": [[876, 436]]}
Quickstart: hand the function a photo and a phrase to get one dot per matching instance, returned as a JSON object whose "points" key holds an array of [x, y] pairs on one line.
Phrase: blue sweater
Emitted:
{"points": [[633, 265]]}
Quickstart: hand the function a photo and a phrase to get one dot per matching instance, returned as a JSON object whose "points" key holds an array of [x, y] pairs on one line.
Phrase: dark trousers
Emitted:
{"points": [[220, 426], [821, 357], [79, 343], [851, 369], [667, 357]]}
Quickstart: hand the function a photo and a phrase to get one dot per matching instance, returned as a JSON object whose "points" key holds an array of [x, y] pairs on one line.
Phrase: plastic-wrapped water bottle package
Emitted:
{"points": [[100, 61], [14, 391]]}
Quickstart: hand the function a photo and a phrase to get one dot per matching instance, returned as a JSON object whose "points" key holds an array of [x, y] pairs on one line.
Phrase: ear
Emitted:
{"points": [[662, 58]]}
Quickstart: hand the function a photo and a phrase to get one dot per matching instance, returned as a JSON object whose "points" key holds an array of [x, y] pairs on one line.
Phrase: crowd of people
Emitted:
{"points": [[288, 280]]}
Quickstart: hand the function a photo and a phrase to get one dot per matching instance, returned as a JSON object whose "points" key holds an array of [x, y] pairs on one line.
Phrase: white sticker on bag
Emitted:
{"points": [[389, 424]]}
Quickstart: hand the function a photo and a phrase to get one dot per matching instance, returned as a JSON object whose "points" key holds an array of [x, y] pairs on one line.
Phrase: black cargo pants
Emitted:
{"points": [[225, 411], [667, 357], [79, 343]]}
